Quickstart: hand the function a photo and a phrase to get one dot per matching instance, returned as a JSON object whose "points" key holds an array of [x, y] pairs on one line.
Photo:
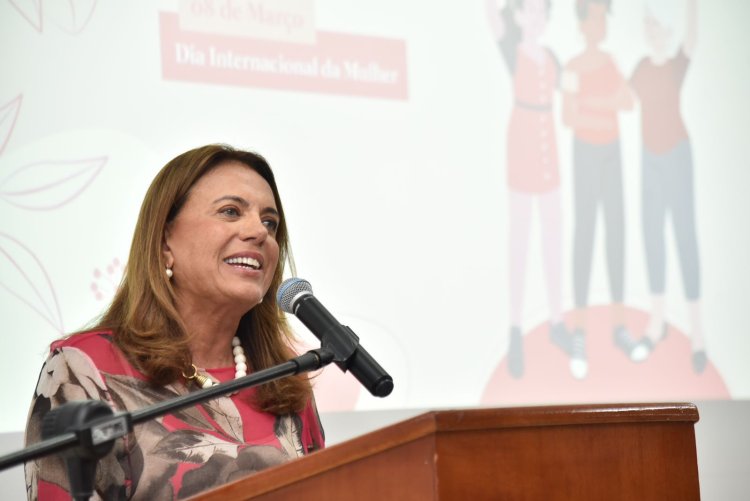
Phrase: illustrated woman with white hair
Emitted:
{"points": [[667, 167]]}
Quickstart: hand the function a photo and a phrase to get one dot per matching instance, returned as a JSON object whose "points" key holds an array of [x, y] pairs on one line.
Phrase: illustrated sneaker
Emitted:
{"points": [[561, 338], [700, 359], [515, 353], [579, 365], [637, 351]]}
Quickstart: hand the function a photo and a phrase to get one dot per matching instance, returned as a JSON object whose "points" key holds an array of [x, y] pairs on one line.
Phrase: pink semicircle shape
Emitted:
{"points": [[667, 375]]}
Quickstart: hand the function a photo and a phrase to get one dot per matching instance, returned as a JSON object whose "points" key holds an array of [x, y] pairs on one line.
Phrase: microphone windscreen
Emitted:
{"points": [[290, 291]]}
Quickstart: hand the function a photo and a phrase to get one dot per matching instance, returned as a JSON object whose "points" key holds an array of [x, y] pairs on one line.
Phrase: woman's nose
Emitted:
{"points": [[253, 228]]}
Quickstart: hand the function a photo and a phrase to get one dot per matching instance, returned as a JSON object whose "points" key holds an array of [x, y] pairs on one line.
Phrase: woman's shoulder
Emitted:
{"points": [[576, 64], [97, 347], [85, 340]]}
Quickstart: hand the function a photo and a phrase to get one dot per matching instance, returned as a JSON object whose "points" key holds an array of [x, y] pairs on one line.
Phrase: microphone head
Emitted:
{"points": [[291, 291]]}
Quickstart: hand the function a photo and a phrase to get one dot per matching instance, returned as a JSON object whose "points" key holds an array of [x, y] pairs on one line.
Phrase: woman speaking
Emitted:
{"points": [[196, 307]]}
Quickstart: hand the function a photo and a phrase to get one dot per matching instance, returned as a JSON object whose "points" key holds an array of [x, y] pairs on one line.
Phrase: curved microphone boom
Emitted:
{"points": [[295, 296]]}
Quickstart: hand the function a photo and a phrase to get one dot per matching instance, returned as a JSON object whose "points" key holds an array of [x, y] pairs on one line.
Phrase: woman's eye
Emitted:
{"points": [[272, 225], [230, 211]]}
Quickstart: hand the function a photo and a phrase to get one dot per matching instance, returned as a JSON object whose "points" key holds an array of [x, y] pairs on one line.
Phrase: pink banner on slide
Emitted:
{"points": [[335, 64]]}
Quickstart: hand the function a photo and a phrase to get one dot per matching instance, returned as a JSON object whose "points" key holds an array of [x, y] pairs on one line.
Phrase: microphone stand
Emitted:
{"points": [[86, 430]]}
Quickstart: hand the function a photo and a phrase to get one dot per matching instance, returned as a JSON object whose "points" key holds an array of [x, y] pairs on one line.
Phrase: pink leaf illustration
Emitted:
{"points": [[49, 184], [71, 16], [23, 276], [31, 10], [8, 115]]}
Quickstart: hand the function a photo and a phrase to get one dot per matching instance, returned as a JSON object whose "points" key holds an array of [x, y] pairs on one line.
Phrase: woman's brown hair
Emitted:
{"points": [[143, 316]]}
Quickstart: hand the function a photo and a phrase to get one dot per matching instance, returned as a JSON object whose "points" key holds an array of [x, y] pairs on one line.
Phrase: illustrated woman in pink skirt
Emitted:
{"points": [[532, 165]]}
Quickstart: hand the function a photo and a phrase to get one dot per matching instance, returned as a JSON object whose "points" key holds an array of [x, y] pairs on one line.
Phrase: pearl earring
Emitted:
{"points": [[169, 272]]}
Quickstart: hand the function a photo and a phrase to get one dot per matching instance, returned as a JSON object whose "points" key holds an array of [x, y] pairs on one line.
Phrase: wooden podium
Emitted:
{"points": [[579, 452]]}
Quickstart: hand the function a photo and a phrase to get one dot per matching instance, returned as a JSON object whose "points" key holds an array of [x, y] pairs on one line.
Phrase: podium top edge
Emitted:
{"points": [[561, 415]]}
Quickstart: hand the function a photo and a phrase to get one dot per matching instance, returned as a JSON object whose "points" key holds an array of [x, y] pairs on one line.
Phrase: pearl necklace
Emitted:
{"points": [[240, 366]]}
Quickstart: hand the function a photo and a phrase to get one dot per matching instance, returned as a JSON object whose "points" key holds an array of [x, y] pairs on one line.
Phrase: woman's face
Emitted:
{"points": [[222, 244], [532, 18], [594, 26]]}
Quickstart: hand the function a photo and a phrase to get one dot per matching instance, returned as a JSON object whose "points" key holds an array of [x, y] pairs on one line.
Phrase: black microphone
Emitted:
{"points": [[295, 296]]}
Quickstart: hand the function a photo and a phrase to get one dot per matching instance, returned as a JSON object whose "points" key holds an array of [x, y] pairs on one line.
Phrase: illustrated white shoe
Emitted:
{"points": [[579, 365], [637, 351]]}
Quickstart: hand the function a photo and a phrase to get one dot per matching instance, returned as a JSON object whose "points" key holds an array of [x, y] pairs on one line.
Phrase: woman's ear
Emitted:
{"points": [[166, 251]]}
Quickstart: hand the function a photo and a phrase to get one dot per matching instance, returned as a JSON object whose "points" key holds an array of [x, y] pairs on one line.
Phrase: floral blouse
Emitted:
{"points": [[173, 456]]}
